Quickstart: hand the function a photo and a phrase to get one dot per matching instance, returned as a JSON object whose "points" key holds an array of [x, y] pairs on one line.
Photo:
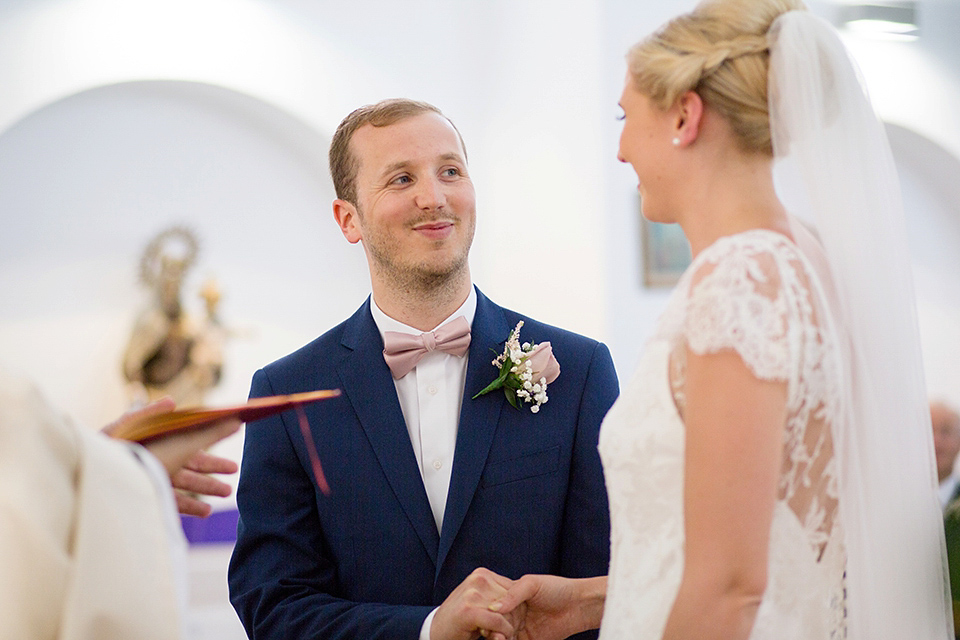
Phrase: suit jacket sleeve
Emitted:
{"points": [[585, 541], [282, 577]]}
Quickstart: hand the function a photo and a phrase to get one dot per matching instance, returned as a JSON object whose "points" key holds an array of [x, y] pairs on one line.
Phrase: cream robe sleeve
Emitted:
{"points": [[84, 554]]}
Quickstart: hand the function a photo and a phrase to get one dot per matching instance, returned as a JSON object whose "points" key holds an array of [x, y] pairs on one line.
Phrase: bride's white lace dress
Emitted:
{"points": [[756, 293]]}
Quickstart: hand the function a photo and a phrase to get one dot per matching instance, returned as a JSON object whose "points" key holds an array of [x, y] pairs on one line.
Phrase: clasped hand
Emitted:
{"points": [[535, 607]]}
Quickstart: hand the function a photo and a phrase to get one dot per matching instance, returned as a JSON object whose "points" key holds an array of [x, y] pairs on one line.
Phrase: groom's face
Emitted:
{"points": [[416, 208]]}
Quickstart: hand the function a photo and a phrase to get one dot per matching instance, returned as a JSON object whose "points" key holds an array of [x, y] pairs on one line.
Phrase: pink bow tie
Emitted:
{"points": [[403, 351]]}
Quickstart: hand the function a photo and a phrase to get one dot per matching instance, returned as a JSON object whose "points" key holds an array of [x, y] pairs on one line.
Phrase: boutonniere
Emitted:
{"points": [[525, 371]]}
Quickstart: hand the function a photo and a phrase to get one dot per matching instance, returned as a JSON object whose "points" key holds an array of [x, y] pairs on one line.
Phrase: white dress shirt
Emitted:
{"points": [[430, 398]]}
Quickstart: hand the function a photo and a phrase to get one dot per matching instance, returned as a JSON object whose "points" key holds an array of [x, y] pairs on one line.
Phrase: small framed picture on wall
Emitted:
{"points": [[666, 253]]}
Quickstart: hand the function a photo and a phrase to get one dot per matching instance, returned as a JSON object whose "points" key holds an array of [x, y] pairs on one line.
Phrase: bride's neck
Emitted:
{"points": [[738, 197]]}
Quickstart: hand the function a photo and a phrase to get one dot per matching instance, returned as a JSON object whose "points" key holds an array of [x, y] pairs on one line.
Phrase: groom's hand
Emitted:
{"points": [[470, 613]]}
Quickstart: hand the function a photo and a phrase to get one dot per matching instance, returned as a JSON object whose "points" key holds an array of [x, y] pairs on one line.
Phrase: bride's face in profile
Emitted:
{"points": [[645, 143]]}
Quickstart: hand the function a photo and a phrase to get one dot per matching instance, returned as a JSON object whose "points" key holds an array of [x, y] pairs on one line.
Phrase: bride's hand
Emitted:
{"points": [[555, 607]]}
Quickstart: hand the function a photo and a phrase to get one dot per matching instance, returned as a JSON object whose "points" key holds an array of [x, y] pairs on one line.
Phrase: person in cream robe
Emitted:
{"points": [[90, 545]]}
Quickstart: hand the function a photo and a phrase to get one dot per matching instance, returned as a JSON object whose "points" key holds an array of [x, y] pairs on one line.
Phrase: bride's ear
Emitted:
{"points": [[688, 117]]}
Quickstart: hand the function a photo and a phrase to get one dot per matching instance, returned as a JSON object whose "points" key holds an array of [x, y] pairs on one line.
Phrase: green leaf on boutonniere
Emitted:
{"points": [[499, 382], [511, 396]]}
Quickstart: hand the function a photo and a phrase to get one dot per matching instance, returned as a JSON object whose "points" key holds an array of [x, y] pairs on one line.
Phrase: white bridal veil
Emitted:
{"points": [[824, 125]]}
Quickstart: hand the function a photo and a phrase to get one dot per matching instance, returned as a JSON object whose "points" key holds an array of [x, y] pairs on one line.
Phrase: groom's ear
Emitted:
{"points": [[348, 219], [688, 117]]}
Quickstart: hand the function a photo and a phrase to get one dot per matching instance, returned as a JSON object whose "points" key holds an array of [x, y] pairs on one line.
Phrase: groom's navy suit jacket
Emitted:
{"points": [[526, 493]]}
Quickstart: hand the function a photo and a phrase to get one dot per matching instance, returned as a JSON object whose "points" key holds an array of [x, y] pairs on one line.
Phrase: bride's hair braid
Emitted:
{"points": [[724, 50], [720, 51]]}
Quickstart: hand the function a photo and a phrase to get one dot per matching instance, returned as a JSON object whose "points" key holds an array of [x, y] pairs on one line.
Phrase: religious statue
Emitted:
{"points": [[170, 352]]}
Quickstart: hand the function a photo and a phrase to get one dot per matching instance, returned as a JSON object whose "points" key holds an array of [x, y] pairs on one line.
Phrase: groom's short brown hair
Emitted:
{"points": [[344, 165]]}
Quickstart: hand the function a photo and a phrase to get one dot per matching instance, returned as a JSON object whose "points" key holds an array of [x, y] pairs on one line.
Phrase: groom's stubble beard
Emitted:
{"points": [[421, 278]]}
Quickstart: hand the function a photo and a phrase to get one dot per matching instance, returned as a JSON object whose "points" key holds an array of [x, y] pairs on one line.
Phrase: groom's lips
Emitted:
{"points": [[435, 230]]}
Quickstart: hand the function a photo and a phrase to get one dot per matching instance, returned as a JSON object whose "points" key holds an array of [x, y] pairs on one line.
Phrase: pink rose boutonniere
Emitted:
{"points": [[525, 371]]}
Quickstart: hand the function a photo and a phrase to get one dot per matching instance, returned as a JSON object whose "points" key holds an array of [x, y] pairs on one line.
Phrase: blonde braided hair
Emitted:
{"points": [[719, 50]]}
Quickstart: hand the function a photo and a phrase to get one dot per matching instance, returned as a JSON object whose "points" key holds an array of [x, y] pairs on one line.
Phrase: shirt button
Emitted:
{"points": [[437, 464], [432, 390]]}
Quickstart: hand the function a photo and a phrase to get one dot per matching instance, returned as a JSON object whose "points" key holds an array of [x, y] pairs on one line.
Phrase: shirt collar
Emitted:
{"points": [[385, 323]]}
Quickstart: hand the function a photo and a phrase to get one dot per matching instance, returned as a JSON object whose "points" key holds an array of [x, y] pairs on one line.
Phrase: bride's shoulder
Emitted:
{"points": [[756, 255], [749, 243], [738, 298]]}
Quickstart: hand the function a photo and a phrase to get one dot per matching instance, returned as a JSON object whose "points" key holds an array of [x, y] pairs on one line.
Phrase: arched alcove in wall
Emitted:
{"points": [[930, 180], [120, 118], [88, 180]]}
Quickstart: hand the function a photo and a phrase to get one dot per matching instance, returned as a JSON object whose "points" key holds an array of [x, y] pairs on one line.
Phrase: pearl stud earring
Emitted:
{"points": [[676, 142]]}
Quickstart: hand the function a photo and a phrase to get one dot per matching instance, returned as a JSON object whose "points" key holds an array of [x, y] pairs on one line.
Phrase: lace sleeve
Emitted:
{"points": [[738, 299]]}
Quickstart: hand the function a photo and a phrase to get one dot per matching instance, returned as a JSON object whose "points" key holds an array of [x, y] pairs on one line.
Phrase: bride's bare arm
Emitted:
{"points": [[734, 439]]}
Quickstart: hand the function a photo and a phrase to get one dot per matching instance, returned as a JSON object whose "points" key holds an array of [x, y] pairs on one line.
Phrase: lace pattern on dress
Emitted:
{"points": [[753, 293], [756, 294]]}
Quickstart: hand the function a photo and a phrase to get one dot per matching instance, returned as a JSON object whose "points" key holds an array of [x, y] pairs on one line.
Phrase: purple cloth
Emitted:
{"points": [[218, 527]]}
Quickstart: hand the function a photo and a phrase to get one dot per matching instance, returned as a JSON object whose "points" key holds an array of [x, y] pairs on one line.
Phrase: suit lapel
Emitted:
{"points": [[478, 419], [370, 388]]}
